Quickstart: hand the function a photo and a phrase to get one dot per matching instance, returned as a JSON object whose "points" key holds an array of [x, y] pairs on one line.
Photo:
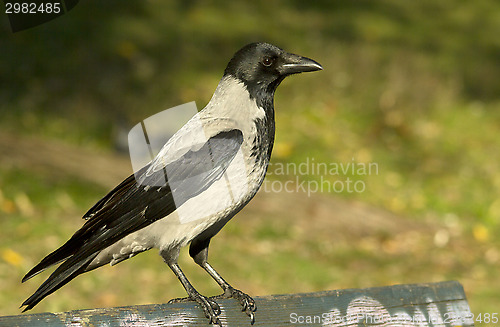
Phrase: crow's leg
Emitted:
{"points": [[210, 308], [199, 252], [247, 303]]}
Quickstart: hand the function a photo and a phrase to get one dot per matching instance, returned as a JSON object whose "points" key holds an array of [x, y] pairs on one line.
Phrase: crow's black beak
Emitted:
{"points": [[293, 64]]}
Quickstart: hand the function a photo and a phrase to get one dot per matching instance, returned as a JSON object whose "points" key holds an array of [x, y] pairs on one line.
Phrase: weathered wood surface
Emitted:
{"points": [[436, 304]]}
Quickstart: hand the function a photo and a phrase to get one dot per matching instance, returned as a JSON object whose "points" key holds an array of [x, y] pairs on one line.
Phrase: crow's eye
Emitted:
{"points": [[267, 61]]}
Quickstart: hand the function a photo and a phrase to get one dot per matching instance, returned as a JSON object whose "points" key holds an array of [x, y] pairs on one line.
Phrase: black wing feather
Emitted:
{"points": [[114, 195], [134, 204]]}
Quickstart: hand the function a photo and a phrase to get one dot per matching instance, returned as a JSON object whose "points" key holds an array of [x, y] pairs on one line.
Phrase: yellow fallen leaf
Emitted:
{"points": [[481, 233], [12, 257], [7, 206], [282, 150]]}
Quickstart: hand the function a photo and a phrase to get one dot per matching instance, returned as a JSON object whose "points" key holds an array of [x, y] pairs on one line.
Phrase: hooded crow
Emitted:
{"points": [[205, 174]]}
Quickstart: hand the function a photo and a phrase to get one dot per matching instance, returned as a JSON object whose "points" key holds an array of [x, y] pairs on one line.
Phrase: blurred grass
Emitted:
{"points": [[411, 86]]}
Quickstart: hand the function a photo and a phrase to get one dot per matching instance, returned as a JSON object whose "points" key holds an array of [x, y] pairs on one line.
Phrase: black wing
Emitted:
{"points": [[138, 201]]}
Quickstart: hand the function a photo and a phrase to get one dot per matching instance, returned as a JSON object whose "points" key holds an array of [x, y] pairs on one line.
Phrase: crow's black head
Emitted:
{"points": [[262, 67]]}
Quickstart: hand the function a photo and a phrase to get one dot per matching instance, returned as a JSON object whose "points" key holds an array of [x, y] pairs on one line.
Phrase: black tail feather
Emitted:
{"points": [[53, 258], [60, 277]]}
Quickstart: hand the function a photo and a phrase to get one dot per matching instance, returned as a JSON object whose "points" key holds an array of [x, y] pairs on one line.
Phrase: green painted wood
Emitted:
{"points": [[436, 304]]}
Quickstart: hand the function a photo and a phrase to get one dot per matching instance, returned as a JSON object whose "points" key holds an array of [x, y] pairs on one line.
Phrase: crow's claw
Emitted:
{"points": [[210, 308], [247, 303]]}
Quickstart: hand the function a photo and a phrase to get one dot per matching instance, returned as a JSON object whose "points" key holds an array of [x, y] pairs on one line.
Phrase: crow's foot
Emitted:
{"points": [[210, 308], [247, 303]]}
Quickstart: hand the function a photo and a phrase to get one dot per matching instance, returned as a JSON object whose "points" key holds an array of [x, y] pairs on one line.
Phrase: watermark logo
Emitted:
{"points": [[334, 177], [368, 311], [180, 155], [24, 14], [147, 138]]}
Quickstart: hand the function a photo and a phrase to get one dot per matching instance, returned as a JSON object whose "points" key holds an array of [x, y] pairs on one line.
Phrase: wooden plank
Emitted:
{"points": [[436, 304]]}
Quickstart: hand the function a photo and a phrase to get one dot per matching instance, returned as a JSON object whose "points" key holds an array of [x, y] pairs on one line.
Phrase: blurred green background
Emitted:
{"points": [[412, 86]]}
